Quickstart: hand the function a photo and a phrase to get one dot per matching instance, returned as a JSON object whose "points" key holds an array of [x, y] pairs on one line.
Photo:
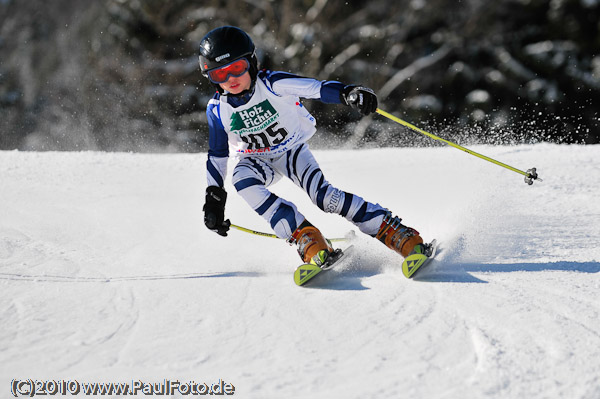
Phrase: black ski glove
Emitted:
{"points": [[361, 98], [214, 210]]}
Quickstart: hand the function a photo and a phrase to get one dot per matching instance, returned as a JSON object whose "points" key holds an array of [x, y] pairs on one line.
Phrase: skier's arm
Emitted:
{"points": [[332, 92], [216, 170]]}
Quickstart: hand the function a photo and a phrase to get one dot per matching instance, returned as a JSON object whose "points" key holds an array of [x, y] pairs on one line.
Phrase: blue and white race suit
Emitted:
{"points": [[268, 130]]}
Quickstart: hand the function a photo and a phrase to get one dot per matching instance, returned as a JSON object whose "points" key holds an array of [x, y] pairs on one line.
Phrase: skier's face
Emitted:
{"points": [[236, 85]]}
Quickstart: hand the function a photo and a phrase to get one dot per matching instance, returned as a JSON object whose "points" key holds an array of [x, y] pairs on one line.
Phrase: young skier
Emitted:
{"points": [[259, 114]]}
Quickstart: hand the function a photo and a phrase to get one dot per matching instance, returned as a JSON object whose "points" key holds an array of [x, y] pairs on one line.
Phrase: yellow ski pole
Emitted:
{"points": [[530, 175], [260, 233], [257, 233]]}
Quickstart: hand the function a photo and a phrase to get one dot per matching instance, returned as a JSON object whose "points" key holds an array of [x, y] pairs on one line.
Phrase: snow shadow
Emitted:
{"points": [[583, 267], [83, 279], [340, 280], [459, 272]]}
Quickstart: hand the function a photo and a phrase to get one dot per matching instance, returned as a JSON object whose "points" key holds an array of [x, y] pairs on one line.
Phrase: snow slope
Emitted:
{"points": [[108, 274]]}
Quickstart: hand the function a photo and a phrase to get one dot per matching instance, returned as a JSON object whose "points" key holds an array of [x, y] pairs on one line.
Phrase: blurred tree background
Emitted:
{"points": [[122, 75]]}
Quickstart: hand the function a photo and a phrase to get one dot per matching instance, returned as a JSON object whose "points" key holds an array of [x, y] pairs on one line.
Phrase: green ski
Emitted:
{"points": [[307, 272], [420, 256]]}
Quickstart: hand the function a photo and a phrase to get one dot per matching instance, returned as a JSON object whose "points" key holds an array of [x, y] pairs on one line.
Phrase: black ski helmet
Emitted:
{"points": [[226, 44]]}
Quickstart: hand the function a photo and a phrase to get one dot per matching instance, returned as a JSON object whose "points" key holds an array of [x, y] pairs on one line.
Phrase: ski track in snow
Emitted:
{"points": [[108, 274]]}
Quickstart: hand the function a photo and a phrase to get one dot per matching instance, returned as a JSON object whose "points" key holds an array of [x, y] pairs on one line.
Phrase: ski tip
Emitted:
{"points": [[305, 272], [412, 263]]}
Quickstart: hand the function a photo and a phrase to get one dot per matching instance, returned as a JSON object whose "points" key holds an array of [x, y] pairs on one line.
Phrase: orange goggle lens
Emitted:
{"points": [[236, 68]]}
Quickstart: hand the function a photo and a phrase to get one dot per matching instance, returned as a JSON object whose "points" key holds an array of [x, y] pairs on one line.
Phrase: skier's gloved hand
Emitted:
{"points": [[361, 98], [214, 210]]}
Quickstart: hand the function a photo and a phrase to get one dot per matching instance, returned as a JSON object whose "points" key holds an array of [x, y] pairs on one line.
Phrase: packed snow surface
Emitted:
{"points": [[107, 274]]}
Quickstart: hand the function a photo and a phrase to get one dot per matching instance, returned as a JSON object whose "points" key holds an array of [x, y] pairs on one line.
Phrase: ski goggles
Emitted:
{"points": [[236, 69]]}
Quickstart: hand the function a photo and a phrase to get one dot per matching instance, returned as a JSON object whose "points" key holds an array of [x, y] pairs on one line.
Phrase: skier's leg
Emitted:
{"points": [[305, 172], [372, 219], [251, 177]]}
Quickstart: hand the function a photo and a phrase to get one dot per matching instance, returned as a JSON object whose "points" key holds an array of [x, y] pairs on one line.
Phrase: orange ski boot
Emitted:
{"points": [[312, 246], [397, 236]]}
